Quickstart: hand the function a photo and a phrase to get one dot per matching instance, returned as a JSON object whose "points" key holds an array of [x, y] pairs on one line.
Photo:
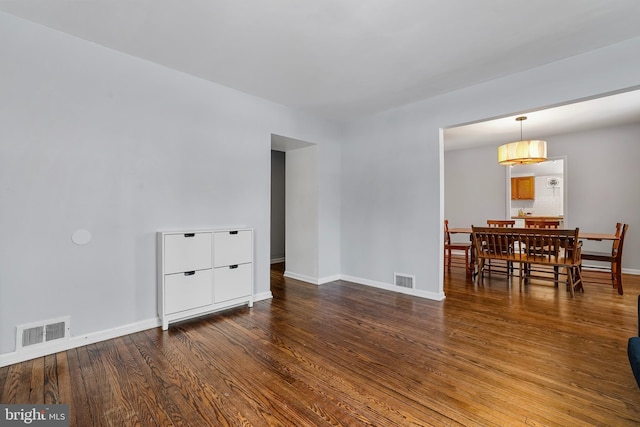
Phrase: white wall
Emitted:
{"points": [[474, 187], [301, 196], [312, 228], [391, 219], [602, 183], [95, 139], [329, 225]]}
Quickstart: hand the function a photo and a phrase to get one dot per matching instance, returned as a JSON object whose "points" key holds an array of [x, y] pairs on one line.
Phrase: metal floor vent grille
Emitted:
{"points": [[404, 280], [41, 333]]}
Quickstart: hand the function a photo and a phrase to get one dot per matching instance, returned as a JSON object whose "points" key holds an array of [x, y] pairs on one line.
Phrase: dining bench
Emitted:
{"points": [[530, 247]]}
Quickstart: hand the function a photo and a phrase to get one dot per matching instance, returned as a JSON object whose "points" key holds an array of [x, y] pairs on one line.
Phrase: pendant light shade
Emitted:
{"points": [[522, 152]]}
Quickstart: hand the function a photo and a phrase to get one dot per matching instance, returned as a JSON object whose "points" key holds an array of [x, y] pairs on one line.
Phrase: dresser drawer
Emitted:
{"points": [[189, 290], [187, 252], [232, 247], [232, 282]]}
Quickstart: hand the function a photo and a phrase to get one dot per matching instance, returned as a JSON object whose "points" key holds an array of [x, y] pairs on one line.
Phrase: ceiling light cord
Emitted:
{"points": [[521, 119]]}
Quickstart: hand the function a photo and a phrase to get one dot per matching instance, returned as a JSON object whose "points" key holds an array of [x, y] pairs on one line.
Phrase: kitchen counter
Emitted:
{"points": [[538, 217]]}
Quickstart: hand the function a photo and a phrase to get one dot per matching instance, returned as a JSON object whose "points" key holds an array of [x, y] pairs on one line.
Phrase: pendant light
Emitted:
{"points": [[522, 152]]}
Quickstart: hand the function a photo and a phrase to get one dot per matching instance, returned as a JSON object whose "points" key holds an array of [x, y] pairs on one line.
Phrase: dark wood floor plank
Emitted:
{"points": [[326, 375], [204, 395], [343, 354], [80, 412], [93, 384], [160, 369], [316, 356], [51, 389], [119, 400], [62, 376], [136, 389], [239, 380], [17, 385], [36, 390], [3, 379]]}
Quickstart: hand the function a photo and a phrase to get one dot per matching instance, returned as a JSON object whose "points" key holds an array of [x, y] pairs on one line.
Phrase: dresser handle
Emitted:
{"points": [[189, 234], [233, 266], [189, 273], [233, 232]]}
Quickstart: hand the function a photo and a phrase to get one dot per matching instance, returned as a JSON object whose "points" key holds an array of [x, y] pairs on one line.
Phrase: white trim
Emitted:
{"points": [[277, 260], [312, 280], [328, 279], [262, 296], [301, 277], [27, 353], [389, 287], [606, 269], [79, 341], [440, 224]]}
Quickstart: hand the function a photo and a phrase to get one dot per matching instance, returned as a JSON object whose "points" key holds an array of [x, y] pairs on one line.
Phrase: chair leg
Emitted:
{"points": [[619, 278], [579, 281], [521, 274], [570, 277], [467, 262]]}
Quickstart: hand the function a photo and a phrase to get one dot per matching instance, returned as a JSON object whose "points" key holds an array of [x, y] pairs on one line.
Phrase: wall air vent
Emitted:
{"points": [[42, 333], [404, 280]]}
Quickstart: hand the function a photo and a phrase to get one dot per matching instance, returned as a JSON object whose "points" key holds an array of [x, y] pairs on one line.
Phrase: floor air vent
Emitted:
{"points": [[404, 280], [42, 333]]}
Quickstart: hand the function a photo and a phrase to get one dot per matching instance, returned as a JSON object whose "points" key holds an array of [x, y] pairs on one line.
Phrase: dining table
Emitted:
{"points": [[581, 235]]}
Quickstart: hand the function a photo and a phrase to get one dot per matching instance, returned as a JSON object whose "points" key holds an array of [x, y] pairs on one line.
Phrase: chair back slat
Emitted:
{"points": [[621, 231], [447, 235], [501, 223], [541, 223]]}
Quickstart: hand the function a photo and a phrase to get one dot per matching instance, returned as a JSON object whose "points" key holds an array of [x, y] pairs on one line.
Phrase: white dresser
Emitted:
{"points": [[203, 271]]}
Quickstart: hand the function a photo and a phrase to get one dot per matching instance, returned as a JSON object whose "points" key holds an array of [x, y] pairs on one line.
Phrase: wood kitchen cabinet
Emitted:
{"points": [[523, 188]]}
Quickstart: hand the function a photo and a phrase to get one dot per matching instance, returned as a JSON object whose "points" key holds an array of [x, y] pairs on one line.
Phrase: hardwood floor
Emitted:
{"points": [[346, 354]]}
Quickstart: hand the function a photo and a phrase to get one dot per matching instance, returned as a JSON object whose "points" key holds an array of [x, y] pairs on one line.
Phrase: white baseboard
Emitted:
{"points": [[603, 269], [277, 260], [312, 280], [328, 279], [262, 296], [79, 341], [389, 287], [301, 277], [25, 354]]}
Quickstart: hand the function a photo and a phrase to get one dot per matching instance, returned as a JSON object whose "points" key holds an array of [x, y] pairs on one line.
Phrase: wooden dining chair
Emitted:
{"points": [[450, 246], [542, 250], [541, 223], [501, 223], [614, 258], [505, 223]]}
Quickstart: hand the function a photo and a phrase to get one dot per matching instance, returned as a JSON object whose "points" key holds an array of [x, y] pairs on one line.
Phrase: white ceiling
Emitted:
{"points": [[611, 110], [343, 59]]}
